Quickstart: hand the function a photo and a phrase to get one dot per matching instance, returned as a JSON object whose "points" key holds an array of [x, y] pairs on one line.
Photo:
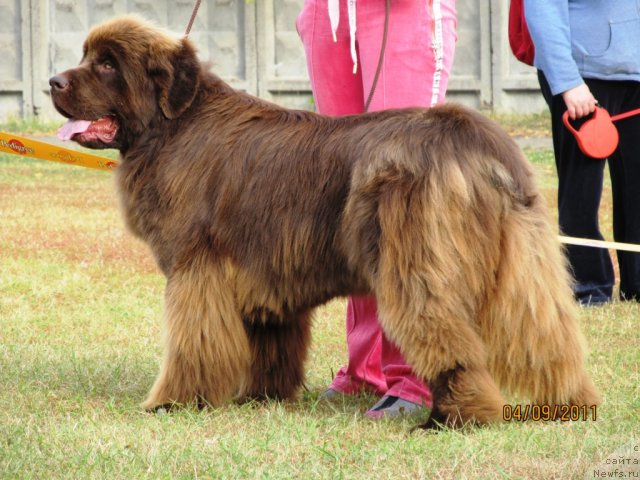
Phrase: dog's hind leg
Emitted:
{"points": [[207, 355], [278, 351], [445, 351], [437, 338], [431, 279]]}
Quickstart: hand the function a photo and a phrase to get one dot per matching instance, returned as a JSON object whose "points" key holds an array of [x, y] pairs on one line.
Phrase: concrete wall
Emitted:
{"points": [[253, 44]]}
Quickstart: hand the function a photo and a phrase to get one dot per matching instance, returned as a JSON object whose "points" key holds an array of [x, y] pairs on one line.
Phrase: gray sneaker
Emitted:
{"points": [[390, 406], [330, 394]]}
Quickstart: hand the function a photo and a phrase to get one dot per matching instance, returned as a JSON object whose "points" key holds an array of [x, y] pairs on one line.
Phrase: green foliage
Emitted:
{"points": [[31, 125], [531, 125]]}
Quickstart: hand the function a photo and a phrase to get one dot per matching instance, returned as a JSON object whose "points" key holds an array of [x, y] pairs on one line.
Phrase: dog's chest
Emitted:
{"points": [[146, 212]]}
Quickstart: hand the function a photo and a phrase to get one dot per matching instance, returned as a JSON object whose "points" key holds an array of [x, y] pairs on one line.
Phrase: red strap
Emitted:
{"points": [[630, 113]]}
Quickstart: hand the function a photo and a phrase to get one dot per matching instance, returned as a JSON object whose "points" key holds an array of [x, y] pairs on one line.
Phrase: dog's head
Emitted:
{"points": [[130, 73]]}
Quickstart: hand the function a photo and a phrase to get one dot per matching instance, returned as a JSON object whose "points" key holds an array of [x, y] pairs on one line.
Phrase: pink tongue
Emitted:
{"points": [[72, 127]]}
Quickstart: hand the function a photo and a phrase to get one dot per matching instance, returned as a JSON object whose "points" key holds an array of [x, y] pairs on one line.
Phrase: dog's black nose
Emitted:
{"points": [[58, 82]]}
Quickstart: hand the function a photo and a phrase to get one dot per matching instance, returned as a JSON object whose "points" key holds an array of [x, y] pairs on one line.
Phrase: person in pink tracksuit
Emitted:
{"points": [[342, 41]]}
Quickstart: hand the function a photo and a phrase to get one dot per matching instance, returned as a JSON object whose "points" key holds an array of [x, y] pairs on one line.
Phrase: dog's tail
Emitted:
{"points": [[530, 326], [530, 321]]}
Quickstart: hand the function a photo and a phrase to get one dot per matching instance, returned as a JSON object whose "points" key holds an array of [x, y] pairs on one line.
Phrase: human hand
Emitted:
{"points": [[580, 101]]}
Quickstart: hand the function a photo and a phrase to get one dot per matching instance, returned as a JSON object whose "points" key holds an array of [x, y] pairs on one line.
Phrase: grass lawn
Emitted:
{"points": [[80, 343]]}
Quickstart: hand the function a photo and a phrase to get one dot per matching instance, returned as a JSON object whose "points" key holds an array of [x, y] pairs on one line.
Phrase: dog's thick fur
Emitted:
{"points": [[257, 214]]}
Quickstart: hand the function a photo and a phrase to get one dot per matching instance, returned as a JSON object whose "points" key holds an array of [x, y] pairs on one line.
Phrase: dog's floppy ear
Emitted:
{"points": [[176, 73]]}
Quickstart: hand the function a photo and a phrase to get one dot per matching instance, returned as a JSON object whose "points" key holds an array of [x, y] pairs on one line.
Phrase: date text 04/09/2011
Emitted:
{"points": [[543, 413]]}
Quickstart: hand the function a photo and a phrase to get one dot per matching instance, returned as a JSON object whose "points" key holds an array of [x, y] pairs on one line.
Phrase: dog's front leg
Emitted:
{"points": [[278, 350], [207, 354]]}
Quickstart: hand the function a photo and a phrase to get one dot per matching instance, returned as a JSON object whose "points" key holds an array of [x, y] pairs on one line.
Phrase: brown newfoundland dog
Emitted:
{"points": [[257, 214]]}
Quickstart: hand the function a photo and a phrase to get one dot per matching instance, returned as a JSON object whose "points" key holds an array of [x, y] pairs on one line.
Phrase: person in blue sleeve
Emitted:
{"points": [[587, 52]]}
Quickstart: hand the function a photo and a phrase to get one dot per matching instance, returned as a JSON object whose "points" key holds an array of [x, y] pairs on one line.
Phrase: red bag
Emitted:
{"points": [[519, 38]]}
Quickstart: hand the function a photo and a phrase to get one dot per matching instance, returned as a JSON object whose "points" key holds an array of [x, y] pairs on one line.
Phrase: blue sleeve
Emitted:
{"points": [[548, 23]]}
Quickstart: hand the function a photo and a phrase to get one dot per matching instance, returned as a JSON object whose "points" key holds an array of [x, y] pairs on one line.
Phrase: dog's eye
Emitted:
{"points": [[105, 66]]}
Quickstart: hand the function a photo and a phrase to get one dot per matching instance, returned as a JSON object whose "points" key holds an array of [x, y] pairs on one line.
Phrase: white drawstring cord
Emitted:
{"points": [[334, 20], [352, 34], [334, 16]]}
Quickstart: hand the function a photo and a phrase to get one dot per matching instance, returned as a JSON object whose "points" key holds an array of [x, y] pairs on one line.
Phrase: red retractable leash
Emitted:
{"points": [[598, 136]]}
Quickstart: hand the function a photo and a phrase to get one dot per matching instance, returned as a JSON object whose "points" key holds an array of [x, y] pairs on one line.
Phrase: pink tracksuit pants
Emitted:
{"points": [[417, 61]]}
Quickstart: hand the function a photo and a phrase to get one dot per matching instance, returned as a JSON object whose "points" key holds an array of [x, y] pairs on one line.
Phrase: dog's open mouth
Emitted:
{"points": [[103, 130]]}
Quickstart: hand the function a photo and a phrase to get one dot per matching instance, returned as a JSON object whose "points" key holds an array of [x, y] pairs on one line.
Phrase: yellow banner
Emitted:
{"points": [[27, 147]]}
